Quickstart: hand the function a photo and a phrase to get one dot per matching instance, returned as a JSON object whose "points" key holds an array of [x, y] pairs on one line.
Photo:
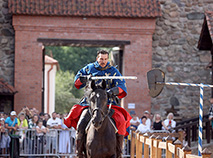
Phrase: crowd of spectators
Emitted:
{"points": [[149, 122], [37, 128], [39, 132]]}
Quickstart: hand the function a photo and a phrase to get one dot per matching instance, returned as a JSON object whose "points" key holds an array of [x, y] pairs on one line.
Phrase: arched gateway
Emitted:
{"points": [[128, 24]]}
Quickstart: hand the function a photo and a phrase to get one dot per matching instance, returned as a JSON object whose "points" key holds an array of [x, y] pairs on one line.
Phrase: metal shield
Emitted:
{"points": [[156, 81]]}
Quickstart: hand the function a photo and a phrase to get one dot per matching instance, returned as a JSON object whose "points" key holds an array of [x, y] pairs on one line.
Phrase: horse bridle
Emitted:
{"points": [[102, 113]]}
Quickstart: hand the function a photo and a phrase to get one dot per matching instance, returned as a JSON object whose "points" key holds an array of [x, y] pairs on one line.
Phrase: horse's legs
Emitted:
{"points": [[80, 135], [119, 145]]}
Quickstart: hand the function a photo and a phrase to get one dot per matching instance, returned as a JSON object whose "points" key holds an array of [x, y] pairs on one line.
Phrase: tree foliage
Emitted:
{"points": [[71, 59], [64, 99]]}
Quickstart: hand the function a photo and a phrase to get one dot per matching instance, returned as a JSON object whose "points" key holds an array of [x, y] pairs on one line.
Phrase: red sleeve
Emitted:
{"points": [[78, 83], [122, 93]]}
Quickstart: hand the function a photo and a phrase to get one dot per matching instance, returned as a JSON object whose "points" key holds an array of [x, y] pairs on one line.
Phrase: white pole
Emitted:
{"points": [[200, 121], [186, 84], [200, 134]]}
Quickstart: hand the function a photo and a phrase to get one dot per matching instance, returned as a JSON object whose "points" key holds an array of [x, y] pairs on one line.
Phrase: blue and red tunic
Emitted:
{"points": [[121, 116]]}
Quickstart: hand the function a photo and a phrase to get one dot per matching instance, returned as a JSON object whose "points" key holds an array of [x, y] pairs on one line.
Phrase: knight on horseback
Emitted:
{"points": [[80, 116]]}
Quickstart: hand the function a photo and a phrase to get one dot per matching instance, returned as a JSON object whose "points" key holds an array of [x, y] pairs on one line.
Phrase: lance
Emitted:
{"points": [[114, 77]]}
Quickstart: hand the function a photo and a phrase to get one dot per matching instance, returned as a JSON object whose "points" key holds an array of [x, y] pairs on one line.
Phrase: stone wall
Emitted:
{"points": [[6, 44], [175, 52]]}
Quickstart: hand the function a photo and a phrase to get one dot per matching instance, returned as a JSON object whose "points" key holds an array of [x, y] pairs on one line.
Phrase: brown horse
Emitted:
{"points": [[101, 136]]}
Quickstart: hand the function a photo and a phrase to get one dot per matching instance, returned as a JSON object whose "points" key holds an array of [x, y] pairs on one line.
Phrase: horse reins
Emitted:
{"points": [[104, 116]]}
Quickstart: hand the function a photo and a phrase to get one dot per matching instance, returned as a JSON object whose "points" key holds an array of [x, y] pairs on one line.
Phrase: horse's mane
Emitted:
{"points": [[92, 86]]}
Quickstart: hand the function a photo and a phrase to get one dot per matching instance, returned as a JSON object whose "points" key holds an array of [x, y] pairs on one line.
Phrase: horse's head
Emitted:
{"points": [[97, 98]]}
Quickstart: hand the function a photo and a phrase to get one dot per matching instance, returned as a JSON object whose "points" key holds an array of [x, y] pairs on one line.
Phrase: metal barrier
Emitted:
{"points": [[53, 143]]}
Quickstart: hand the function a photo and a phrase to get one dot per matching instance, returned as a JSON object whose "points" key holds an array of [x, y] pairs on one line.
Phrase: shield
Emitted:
{"points": [[156, 81]]}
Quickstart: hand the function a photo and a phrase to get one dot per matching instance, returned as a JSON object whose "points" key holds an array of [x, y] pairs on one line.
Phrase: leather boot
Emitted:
{"points": [[119, 145], [81, 135]]}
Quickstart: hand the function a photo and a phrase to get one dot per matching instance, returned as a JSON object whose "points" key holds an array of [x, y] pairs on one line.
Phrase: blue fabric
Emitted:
{"points": [[96, 70], [10, 122]]}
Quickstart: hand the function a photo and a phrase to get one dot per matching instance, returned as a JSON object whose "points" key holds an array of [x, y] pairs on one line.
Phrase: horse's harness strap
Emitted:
{"points": [[116, 130]]}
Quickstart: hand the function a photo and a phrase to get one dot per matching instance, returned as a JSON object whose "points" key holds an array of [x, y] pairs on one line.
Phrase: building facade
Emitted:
{"points": [[157, 34]]}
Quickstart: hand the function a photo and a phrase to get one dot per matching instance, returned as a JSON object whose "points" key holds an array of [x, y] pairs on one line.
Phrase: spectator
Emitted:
{"points": [[22, 125], [211, 112], [11, 123], [58, 115], [40, 131], [169, 122], [31, 133], [35, 111], [22, 121], [5, 138], [158, 123], [148, 121], [62, 116], [64, 139], [6, 115], [33, 123], [41, 115], [1, 115], [143, 128], [31, 111], [53, 124], [27, 112], [134, 122], [46, 118]]}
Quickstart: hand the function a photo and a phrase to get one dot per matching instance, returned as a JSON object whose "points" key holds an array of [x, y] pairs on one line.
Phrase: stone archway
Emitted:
{"points": [[100, 25]]}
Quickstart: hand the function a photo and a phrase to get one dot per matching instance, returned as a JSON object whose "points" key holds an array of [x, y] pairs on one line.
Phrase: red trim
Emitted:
{"points": [[78, 83], [122, 93], [121, 117]]}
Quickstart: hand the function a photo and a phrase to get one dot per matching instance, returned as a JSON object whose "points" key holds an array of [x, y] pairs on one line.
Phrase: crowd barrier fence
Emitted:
{"points": [[53, 143]]}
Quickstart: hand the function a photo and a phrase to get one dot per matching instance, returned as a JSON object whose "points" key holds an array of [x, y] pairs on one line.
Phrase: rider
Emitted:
{"points": [[115, 87]]}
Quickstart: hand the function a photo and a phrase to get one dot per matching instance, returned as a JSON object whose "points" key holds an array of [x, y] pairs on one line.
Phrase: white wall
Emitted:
{"points": [[51, 85]]}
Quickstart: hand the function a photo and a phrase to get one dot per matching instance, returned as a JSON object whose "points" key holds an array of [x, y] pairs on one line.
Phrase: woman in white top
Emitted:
{"points": [[169, 122], [143, 128], [134, 122]]}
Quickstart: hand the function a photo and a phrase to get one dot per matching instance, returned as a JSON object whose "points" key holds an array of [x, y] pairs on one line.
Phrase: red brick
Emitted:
{"points": [[28, 52]]}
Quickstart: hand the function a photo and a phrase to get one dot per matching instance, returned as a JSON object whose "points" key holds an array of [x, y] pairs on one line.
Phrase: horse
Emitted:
{"points": [[101, 135]]}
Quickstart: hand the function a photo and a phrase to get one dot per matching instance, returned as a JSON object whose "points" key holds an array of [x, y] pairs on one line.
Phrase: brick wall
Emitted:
{"points": [[28, 59], [174, 51]]}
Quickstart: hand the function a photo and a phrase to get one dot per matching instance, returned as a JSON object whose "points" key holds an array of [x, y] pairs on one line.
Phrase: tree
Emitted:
{"points": [[72, 58], [64, 99]]}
